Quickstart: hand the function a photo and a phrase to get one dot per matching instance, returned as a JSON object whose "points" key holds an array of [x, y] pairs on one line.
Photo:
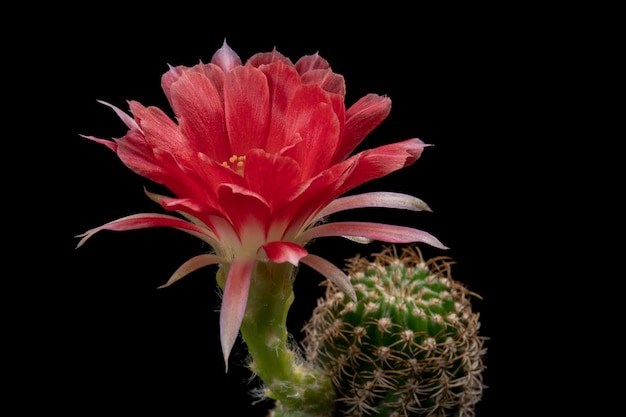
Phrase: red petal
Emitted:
{"points": [[312, 117], [234, 302], [170, 77], [283, 81], [161, 133], [138, 155], [211, 71], [344, 176], [247, 211], [247, 106], [264, 171], [280, 252], [378, 162], [361, 118], [190, 206], [313, 195], [200, 112]]}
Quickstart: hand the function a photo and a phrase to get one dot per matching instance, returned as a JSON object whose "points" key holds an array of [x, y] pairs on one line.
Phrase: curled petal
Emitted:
{"points": [[330, 271], [280, 252], [234, 302], [376, 231], [375, 199], [191, 265]]}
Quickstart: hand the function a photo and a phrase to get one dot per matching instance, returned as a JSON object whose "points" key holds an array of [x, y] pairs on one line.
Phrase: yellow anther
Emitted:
{"points": [[236, 163]]}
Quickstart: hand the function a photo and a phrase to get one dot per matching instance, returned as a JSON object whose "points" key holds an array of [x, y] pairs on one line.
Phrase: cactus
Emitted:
{"points": [[410, 346]]}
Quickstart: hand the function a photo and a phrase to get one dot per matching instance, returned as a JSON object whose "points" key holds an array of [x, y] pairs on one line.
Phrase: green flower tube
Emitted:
{"points": [[298, 388]]}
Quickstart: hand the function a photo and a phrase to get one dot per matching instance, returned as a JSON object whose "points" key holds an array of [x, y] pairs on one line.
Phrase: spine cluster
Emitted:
{"points": [[410, 346]]}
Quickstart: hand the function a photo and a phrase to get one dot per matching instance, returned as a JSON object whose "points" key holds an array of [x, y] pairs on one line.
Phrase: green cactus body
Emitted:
{"points": [[410, 346]]}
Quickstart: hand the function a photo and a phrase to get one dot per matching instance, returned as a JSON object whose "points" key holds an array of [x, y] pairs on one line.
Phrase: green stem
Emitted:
{"points": [[299, 388]]}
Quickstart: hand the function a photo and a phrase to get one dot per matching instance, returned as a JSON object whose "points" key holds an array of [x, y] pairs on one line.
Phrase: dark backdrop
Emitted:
{"points": [[99, 336]]}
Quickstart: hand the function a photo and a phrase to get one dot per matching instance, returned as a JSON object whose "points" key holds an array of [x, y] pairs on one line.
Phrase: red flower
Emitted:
{"points": [[258, 156]]}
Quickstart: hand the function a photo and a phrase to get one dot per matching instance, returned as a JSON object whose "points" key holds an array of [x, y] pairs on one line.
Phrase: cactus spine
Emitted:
{"points": [[410, 346]]}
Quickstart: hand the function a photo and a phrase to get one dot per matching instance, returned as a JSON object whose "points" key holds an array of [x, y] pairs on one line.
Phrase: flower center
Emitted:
{"points": [[236, 163]]}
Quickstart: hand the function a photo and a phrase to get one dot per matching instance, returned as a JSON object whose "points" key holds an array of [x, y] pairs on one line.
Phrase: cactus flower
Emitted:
{"points": [[257, 157]]}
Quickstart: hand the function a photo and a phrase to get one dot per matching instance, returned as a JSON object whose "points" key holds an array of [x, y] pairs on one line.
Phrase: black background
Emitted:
{"points": [[95, 335]]}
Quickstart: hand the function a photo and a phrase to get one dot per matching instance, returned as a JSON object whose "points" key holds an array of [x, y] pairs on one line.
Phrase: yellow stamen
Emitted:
{"points": [[236, 163]]}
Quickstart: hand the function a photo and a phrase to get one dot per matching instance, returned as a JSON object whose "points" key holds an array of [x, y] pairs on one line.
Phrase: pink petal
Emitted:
{"points": [[375, 231], [191, 265], [330, 271], [234, 302], [146, 220], [280, 252], [375, 199], [226, 58], [127, 119]]}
